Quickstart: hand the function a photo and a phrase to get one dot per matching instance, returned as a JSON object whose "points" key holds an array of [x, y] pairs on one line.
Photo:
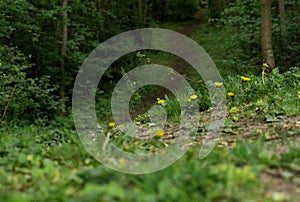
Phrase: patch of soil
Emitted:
{"points": [[276, 134], [279, 135]]}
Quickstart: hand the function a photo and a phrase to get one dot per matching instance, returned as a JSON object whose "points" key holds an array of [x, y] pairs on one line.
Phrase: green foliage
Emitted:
{"points": [[287, 56], [18, 26], [244, 16], [21, 97], [215, 8], [38, 166], [261, 97], [47, 162], [221, 44], [270, 90]]}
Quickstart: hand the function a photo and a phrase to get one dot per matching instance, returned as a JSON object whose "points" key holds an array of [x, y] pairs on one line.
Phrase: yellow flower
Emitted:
{"points": [[234, 110], [160, 133], [245, 79], [230, 94], [235, 118], [29, 157], [218, 84], [265, 65], [298, 92], [299, 96], [123, 162], [148, 60], [160, 101], [260, 103], [112, 124], [193, 97]]}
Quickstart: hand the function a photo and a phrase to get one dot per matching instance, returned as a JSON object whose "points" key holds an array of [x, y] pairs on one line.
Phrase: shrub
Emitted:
{"points": [[21, 97]]}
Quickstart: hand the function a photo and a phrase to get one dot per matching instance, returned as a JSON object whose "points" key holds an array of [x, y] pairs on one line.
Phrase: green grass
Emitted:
{"points": [[59, 169], [50, 164], [220, 43]]}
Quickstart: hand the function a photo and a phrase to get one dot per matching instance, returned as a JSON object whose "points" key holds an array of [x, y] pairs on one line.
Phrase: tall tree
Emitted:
{"points": [[141, 15], [266, 34], [281, 6], [64, 38]]}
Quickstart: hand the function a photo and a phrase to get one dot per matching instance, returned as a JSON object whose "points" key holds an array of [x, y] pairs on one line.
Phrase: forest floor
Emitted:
{"points": [[278, 137]]}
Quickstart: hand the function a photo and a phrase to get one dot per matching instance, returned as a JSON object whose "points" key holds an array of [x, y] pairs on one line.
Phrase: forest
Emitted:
{"points": [[224, 125]]}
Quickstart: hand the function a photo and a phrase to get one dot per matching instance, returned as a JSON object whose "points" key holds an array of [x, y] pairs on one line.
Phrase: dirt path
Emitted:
{"points": [[178, 65]]}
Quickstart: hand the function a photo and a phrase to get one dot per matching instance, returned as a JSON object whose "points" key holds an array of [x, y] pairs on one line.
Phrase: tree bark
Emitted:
{"points": [[64, 38], [141, 15], [266, 35], [146, 9], [281, 6], [284, 40]]}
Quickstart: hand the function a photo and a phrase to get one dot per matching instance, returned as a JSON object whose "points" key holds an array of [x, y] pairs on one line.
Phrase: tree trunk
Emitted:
{"points": [[266, 35], [281, 7], [282, 17], [64, 38], [141, 16], [146, 9]]}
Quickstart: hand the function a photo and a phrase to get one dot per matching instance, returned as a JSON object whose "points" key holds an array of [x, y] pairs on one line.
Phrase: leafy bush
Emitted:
{"points": [[21, 97], [245, 17]]}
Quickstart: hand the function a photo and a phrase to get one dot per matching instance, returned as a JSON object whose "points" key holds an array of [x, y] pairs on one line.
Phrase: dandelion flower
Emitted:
{"points": [[29, 157], [123, 162], [148, 60], [245, 79], [160, 101], [112, 124], [193, 97], [265, 65], [218, 84], [298, 92], [260, 103], [230, 94], [299, 96], [160, 133], [235, 118], [234, 110]]}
